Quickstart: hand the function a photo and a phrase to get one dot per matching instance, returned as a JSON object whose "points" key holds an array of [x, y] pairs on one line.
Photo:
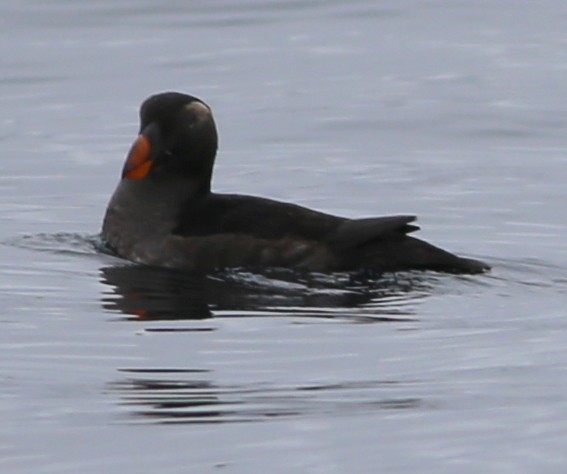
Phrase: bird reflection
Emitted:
{"points": [[150, 293], [189, 397], [195, 395]]}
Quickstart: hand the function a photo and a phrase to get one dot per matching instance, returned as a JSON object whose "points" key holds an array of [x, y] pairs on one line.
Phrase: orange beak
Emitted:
{"points": [[138, 163], [146, 148]]}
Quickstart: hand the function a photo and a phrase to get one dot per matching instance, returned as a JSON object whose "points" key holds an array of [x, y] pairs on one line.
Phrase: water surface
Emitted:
{"points": [[454, 111]]}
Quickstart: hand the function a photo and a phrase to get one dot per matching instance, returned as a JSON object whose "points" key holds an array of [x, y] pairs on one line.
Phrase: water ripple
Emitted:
{"points": [[68, 243]]}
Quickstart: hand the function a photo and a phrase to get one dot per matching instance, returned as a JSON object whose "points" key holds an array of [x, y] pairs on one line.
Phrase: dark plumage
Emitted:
{"points": [[163, 212]]}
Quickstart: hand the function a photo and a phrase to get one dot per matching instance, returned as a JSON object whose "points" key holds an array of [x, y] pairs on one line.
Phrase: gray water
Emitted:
{"points": [[453, 110]]}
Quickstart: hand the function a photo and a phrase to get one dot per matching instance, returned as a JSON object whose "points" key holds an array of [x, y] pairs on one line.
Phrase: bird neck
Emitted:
{"points": [[146, 210]]}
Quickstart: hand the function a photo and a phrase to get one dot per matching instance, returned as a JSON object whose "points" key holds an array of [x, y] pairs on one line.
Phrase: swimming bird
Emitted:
{"points": [[163, 212]]}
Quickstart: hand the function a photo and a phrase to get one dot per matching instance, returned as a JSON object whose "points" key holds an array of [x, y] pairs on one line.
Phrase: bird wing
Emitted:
{"points": [[357, 232], [255, 217], [268, 219]]}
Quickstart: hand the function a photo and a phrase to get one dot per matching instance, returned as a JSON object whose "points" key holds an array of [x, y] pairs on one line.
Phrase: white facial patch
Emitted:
{"points": [[201, 111]]}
